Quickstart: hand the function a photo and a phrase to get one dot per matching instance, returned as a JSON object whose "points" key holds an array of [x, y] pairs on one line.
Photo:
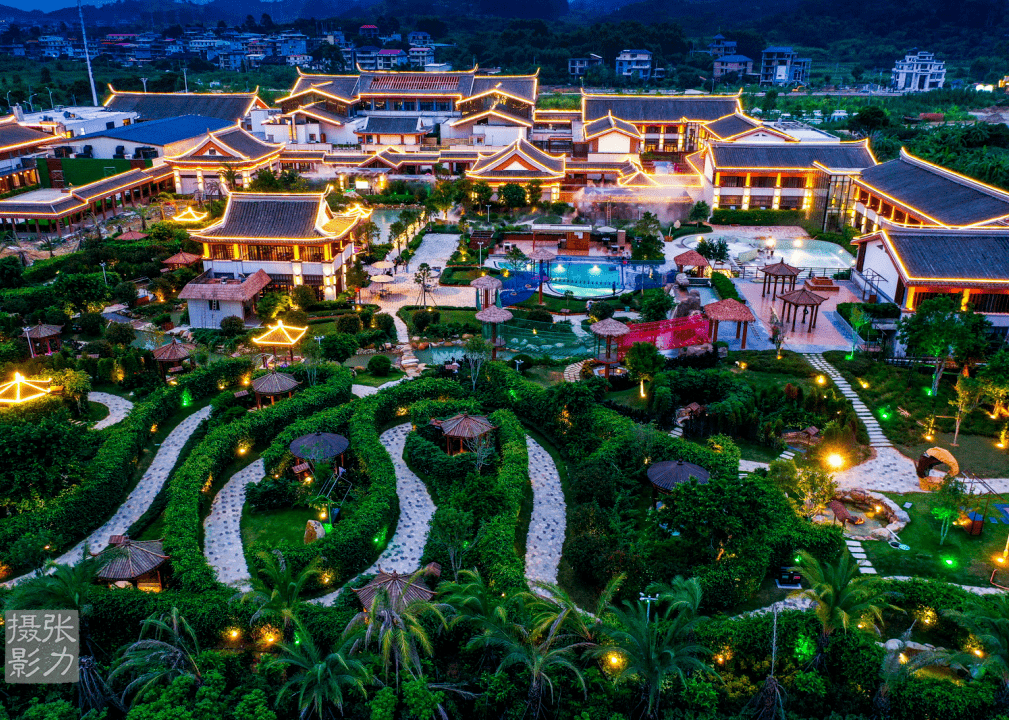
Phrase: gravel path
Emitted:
{"points": [[415, 512], [546, 526], [222, 531], [118, 407]]}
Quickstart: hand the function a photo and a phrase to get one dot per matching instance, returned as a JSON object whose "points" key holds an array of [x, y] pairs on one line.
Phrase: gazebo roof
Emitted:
{"points": [[131, 235], [609, 328], [667, 475], [182, 258], [319, 446], [494, 314], [780, 269], [127, 559], [541, 254], [690, 258], [274, 383], [486, 282], [20, 390], [402, 589], [173, 350], [729, 310], [802, 297], [280, 335], [464, 426], [41, 332]]}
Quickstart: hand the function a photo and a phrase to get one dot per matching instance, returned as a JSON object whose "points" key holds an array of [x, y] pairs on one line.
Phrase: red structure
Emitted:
{"points": [[668, 334]]}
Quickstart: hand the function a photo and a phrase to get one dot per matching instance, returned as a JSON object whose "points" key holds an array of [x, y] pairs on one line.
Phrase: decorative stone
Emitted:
{"points": [[314, 531]]}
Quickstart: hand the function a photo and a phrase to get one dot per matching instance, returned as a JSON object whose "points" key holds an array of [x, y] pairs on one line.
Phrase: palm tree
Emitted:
{"points": [[276, 592], [681, 595], [476, 604], [988, 619], [397, 628], [230, 176], [143, 212], [651, 651], [841, 597], [556, 607], [167, 649], [320, 682]]}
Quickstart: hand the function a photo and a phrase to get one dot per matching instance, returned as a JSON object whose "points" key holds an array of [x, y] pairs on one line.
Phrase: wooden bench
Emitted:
{"points": [[242, 393], [301, 468]]}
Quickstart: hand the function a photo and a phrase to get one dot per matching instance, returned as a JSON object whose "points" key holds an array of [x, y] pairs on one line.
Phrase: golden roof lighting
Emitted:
{"points": [[281, 335], [190, 215], [19, 390]]}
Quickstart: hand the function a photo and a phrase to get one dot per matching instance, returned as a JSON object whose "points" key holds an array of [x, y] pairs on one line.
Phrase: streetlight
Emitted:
{"points": [[104, 277], [648, 599], [488, 211], [52, 105]]}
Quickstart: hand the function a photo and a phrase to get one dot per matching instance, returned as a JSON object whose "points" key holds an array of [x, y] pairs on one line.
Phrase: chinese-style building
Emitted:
{"points": [[19, 148], [205, 166], [232, 107], [520, 163]]}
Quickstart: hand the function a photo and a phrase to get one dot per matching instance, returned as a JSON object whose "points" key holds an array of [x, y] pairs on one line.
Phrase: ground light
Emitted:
{"points": [[835, 461], [949, 562], [821, 380], [884, 414]]}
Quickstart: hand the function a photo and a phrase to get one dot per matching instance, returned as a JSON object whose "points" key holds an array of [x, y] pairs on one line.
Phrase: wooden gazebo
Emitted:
{"points": [[171, 354], [729, 310], [779, 271], [609, 329], [181, 259], [20, 390], [282, 336], [132, 235], [690, 258], [666, 476], [401, 590], [541, 256], [493, 316], [463, 428], [42, 335], [488, 285], [128, 562], [808, 301], [271, 385]]}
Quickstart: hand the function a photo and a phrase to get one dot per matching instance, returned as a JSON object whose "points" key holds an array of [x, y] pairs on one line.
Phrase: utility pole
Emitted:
{"points": [[87, 55], [52, 105], [648, 600]]}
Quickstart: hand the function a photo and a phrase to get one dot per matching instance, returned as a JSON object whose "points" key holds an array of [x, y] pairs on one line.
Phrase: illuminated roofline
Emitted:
{"points": [[892, 251]]}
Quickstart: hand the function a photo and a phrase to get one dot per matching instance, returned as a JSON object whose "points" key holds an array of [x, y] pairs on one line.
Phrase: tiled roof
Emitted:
{"points": [[159, 106], [241, 144], [731, 126], [269, 216], [127, 559], [659, 108], [207, 288], [181, 258], [13, 135], [939, 254], [605, 124], [415, 83], [733, 58], [834, 156], [319, 110], [487, 163], [342, 86], [160, 132], [375, 125], [523, 86], [109, 185], [20, 206], [728, 310], [944, 196]]}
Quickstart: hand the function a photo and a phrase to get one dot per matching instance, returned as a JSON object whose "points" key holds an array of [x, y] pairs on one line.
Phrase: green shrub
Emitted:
{"points": [[380, 365], [339, 347], [348, 323], [421, 319], [758, 217], [724, 286]]}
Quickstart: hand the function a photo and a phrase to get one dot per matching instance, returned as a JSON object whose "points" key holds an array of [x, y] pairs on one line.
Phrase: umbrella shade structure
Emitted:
{"points": [[665, 476], [808, 301], [181, 259], [488, 287], [319, 446], [690, 258], [462, 428], [383, 265], [779, 271], [132, 561], [494, 315], [729, 310], [383, 279], [541, 256], [132, 235], [609, 329], [273, 384], [400, 589]]}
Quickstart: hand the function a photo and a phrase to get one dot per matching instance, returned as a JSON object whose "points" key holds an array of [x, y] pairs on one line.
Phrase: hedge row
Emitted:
{"points": [[725, 288], [212, 456], [759, 217], [88, 504]]}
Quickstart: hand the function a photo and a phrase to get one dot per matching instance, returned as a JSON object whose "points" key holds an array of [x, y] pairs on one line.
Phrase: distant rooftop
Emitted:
{"points": [[161, 132]]}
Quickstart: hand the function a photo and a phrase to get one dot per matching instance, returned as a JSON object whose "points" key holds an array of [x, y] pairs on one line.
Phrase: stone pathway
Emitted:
{"points": [[118, 407], [877, 438], [365, 390], [858, 553], [573, 372], [415, 512], [546, 526], [222, 530]]}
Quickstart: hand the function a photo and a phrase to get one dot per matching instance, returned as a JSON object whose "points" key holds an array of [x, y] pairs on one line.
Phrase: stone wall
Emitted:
{"points": [[895, 515]]}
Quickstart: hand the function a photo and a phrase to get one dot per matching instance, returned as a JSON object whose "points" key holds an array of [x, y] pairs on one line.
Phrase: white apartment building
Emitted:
{"points": [[919, 71]]}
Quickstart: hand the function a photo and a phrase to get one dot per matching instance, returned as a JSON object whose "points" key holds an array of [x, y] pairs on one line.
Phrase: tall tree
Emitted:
{"points": [[277, 591], [321, 682], [938, 329]]}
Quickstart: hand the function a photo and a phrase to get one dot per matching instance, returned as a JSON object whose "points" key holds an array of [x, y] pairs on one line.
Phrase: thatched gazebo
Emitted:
{"points": [[782, 271], [400, 589], [808, 301], [181, 259], [609, 329], [463, 428], [666, 476], [542, 256], [729, 310], [493, 315], [691, 258], [488, 285], [40, 334], [281, 335], [172, 354], [128, 562], [273, 384]]}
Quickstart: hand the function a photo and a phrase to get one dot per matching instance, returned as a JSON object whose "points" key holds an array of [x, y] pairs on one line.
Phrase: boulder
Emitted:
{"points": [[314, 531], [690, 303], [694, 350], [894, 645]]}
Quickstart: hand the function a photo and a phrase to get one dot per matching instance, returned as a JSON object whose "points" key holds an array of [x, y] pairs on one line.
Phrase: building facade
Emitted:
{"points": [[783, 66], [919, 71], [634, 64], [739, 65]]}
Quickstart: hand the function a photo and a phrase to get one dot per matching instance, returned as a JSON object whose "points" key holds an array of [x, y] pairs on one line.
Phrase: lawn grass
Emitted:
{"points": [[275, 528], [96, 412], [971, 556], [631, 397], [366, 378], [545, 376]]}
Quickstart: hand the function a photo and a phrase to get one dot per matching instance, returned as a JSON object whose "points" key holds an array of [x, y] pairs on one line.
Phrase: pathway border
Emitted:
{"points": [[119, 408]]}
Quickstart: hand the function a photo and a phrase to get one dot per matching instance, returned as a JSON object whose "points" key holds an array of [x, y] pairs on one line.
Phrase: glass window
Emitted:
{"points": [[220, 252], [311, 253], [443, 106], [378, 105], [214, 305], [426, 106]]}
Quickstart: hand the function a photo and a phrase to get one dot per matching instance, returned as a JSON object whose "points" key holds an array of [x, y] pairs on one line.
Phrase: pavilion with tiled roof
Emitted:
{"points": [[809, 302], [181, 259], [127, 562], [520, 162], [203, 167], [43, 335]]}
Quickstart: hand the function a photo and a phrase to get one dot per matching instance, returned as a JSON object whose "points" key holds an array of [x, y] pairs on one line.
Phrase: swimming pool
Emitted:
{"points": [[812, 254], [586, 279]]}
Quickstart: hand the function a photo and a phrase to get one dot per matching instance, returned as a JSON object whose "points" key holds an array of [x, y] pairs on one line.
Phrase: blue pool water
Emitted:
{"points": [[586, 279]]}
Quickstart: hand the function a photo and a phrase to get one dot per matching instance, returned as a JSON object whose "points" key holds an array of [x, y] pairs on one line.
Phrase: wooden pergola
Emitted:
{"points": [[273, 384], [47, 334], [493, 316], [779, 271], [808, 301], [171, 354], [609, 329], [280, 335], [488, 285], [542, 255], [691, 258], [463, 428], [729, 310]]}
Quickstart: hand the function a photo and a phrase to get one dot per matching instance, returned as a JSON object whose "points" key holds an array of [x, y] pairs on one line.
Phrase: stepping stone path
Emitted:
{"points": [[858, 553], [143, 494], [877, 438], [118, 407], [573, 372], [546, 526], [415, 512], [222, 530]]}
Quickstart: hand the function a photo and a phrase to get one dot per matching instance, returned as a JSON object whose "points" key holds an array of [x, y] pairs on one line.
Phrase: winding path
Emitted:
{"points": [[546, 526], [118, 407], [415, 512], [222, 530]]}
